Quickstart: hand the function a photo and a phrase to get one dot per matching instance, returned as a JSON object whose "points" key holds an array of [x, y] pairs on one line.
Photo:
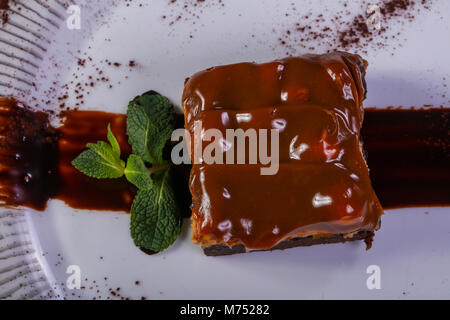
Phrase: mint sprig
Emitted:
{"points": [[137, 173], [102, 160], [149, 126], [155, 215]]}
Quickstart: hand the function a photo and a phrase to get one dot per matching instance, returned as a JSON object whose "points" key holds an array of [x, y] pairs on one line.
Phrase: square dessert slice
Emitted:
{"points": [[321, 192]]}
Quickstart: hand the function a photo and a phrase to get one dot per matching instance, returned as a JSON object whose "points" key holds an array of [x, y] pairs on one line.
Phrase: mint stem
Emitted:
{"points": [[158, 168]]}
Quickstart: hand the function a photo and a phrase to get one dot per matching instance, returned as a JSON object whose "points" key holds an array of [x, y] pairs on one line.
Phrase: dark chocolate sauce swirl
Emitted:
{"points": [[28, 156], [408, 153]]}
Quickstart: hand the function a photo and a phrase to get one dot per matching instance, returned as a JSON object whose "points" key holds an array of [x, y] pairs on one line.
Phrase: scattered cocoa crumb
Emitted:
{"points": [[346, 31], [72, 95], [189, 11], [4, 8]]}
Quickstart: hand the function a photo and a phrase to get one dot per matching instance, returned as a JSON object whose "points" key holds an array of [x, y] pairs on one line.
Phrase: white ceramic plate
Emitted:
{"points": [[411, 249]]}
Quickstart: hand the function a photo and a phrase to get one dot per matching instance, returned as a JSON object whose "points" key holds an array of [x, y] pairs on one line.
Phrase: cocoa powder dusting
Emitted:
{"points": [[87, 76], [189, 13], [346, 31], [4, 7]]}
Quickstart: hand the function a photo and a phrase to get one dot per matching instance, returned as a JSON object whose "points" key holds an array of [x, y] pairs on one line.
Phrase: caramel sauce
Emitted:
{"points": [[315, 101]]}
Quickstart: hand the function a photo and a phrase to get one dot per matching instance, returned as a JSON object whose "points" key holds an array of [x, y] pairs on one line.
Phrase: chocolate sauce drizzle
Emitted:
{"points": [[78, 190], [408, 153], [28, 157], [35, 161]]}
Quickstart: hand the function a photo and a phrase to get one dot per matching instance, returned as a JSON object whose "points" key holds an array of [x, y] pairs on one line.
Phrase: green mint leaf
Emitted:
{"points": [[155, 216], [101, 161], [113, 141], [150, 126], [137, 173]]}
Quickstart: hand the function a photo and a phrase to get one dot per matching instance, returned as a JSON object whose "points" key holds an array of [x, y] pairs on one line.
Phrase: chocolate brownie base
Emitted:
{"points": [[224, 250]]}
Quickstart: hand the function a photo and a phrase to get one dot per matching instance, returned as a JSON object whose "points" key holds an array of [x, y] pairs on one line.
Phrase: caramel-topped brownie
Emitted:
{"points": [[321, 191]]}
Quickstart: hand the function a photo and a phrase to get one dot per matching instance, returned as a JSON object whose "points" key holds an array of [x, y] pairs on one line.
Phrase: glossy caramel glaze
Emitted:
{"points": [[322, 186]]}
